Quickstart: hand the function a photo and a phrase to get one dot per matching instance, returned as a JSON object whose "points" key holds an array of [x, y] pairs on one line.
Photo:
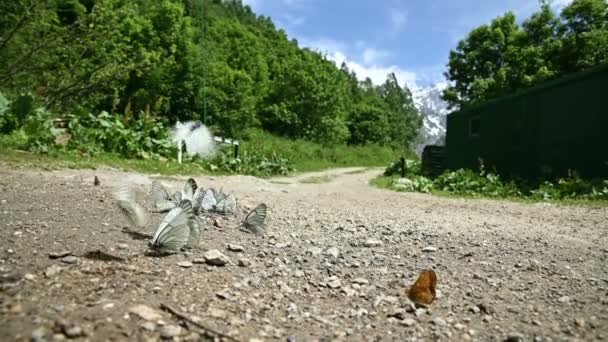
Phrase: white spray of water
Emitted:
{"points": [[196, 136]]}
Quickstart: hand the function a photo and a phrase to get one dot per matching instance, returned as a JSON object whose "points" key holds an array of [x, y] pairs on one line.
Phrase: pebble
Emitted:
{"points": [[122, 246], [52, 271], [185, 264], [170, 331], [439, 321], [563, 299], [215, 258], [60, 254], [73, 331], [145, 312], [360, 281], [459, 326], [372, 243], [408, 322], [298, 273], [333, 251], [429, 249], [487, 318], [244, 262], [148, 326], [313, 251], [70, 259], [235, 248], [514, 337], [38, 334]]}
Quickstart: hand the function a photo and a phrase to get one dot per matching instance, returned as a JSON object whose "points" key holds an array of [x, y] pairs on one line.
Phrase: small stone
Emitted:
{"points": [[224, 294], [474, 309], [29, 276], [487, 318], [459, 326], [52, 271], [145, 312], [170, 331], [217, 313], [122, 246], [244, 262], [292, 308], [419, 312], [70, 259], [360, 281], [334, 283], [408, 322], [217, 223], [313, 251], [372, 243], [185, 264], [215, 258], [579, 322], [298, 274], [148, 326], [429, 249], [563, 299], [73, 331], [235, 248], [59, 307], [38, 334], [514, 337], [438, 321], [60, 254], [333, 252]]}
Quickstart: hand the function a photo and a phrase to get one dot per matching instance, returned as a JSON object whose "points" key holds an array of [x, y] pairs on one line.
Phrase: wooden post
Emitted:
{"points": [[236, 151]]}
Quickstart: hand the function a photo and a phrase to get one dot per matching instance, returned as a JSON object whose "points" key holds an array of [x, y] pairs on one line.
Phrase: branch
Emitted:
{"points": [[20, 23], [189, 320]]}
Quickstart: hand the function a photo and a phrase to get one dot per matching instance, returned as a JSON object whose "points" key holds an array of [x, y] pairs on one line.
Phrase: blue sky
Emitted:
{"points": [[411, 38]]}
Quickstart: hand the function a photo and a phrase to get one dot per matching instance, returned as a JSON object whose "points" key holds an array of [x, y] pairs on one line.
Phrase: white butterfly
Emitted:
{"points": [[164, 202], [197, 200], [255, 221], [178, 229], [208, 201], [134, 212], [228, 205]]}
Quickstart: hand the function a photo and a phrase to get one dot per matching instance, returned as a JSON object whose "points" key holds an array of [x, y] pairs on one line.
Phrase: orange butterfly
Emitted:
{"points": [[423, 290]]}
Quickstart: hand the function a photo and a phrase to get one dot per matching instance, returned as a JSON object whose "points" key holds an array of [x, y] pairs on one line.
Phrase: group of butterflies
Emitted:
{"points": [[179, 228]]}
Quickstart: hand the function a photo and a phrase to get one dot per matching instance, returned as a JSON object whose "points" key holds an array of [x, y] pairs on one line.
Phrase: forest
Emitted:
{"points": [[125, 71]]}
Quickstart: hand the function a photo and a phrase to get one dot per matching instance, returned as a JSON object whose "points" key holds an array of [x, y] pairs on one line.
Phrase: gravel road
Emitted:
{"points": [[334, 265]]}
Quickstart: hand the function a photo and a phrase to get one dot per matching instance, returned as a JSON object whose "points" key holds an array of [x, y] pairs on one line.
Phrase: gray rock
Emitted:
{"points": [[438, 321], [185, 264], [333, 251], [70, 259], [459, 326], [408, 322], [38, 334], [170, 331], [564, 299], [372, 243], [429, 249], [73, 331], [145, 312], [514, 337], [215, 258], [148, 326], [298, 274], [235, 248], [244, 262], [122, 246], [52, 271], [313, 251], [60, 254]]}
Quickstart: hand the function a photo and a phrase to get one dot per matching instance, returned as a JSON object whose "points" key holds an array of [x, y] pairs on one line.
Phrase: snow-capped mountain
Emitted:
{"points": [[434, 110]]}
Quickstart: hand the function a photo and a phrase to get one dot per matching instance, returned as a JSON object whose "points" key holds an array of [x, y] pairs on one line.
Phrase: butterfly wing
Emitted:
{"points": [[189, 189], [208, 201], [173, 232], [197, 200], [228, 205], [219, 195], [424, 289], [195, 233], [255, 220], [128, 205], [160, 195]]}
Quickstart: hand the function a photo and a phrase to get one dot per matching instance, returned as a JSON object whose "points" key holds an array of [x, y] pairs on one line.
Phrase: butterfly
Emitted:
{"points": [[423, 290], [165, 202], [228, 205], [134, 212], [208, 201], [197, 200], [254, 221], [177, 230]]}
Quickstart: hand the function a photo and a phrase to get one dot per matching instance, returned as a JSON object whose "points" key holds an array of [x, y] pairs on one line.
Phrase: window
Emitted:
{"points": [[474, 127]]}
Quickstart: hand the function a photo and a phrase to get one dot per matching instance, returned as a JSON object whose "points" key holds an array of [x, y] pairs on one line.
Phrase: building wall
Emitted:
{"points": [[550, 128]]}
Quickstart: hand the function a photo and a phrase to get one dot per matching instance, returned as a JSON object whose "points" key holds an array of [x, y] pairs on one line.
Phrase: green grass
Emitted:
{"points": [[386, 182], [71, 160], [308, 156]]}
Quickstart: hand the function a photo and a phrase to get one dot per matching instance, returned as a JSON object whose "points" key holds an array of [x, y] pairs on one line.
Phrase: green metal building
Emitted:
{"points": [[548, 129]]}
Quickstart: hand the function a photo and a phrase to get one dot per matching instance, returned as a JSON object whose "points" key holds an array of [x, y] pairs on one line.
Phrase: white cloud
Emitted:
{"points": [[398, 19], [372, 69], [371, 55]]}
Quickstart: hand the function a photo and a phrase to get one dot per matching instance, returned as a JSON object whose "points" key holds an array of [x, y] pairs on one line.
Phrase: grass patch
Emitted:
{"points": [[388, 183], [308, 156]]}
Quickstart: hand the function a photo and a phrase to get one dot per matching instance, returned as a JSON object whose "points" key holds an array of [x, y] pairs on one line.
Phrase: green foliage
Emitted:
{"points": [[469, 183], [254, 164], [503, 56], [412, 166], [232, 69]]}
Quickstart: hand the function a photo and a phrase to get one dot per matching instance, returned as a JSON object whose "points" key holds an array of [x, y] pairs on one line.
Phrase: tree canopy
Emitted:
{"points": [[503, 56], [212, 60]]}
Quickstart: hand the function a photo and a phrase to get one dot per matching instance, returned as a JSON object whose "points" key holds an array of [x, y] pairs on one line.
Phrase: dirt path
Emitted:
{"points": [[334, 264]]}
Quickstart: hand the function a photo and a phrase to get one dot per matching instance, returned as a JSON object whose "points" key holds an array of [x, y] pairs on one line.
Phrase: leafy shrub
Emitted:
{"points": [[412, 167], [254, 164]]}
